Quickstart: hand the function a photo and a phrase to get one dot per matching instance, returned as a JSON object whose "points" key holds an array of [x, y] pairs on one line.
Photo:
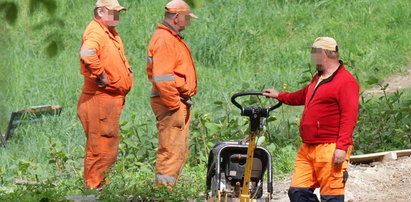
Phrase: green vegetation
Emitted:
{"points": [[238, 45], [384, 123]]}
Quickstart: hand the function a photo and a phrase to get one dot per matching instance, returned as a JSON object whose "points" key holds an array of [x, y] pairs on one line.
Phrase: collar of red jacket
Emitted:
{"points": [[333, 75], [168, 27], [113, 32]]}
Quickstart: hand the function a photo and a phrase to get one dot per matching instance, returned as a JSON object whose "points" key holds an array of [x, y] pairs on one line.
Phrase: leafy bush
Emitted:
{"points": [[384, 124]]}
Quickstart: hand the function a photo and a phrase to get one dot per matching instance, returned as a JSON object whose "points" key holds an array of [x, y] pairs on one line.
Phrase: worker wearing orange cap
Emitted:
{"points": [[171, 70], [327, 124], [107, 80]]}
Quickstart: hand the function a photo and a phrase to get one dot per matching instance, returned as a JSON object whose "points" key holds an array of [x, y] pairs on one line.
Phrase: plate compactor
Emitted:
{"points": [[236, 168]]}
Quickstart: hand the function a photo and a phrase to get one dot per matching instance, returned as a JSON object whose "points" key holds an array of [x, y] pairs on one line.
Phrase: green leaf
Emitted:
{"points": [[260, 140], [218, 103], [52, 49], [271, 119], [10, 11], [372, 80]]}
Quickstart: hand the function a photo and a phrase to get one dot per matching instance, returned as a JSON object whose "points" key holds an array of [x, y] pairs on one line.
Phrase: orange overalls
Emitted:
{"points": [[171, 69], [314, 168], [99, 108]]}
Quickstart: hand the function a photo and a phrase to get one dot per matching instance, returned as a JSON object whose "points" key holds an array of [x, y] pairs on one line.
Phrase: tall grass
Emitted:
{"points": [[237, 45]]}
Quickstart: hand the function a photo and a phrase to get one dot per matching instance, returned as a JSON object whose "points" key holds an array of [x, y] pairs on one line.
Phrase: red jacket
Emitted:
{"points": [[330, 110]]}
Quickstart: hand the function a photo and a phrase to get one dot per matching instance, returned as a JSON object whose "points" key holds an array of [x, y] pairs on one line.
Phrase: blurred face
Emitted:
{"points": [[182, 21], [110, 18], [318, 58]]}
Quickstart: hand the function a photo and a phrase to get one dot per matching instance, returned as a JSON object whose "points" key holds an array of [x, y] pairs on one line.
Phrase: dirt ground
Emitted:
{"points": [[379, 182], [396, 82]]}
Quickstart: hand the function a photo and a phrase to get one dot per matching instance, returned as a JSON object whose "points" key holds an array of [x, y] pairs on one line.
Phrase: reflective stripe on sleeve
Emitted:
{"points": [[168, 77]]}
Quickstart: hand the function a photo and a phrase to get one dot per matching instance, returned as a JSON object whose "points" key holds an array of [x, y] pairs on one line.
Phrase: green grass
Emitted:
{"points": [[237, 46]]}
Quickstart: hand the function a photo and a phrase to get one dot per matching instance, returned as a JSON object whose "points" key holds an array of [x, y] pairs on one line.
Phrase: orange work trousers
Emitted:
{"points": [[99, 114], [173, 132], [315, 168]]}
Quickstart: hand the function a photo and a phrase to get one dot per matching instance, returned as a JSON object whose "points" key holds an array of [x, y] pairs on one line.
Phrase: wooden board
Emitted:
{"points": [[380, 156], [31, 115], [79, 198]]}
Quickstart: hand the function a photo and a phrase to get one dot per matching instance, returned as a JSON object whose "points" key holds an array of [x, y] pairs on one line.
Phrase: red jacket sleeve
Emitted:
{"points": [[296, 98], [164, 62], [348, 99]]}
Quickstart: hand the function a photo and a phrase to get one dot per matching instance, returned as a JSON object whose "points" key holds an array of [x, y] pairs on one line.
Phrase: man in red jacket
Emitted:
{"points": [[328, 121]]}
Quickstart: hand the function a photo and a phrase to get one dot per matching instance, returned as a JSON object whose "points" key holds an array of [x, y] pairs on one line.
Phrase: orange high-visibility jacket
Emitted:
{"points": [[170, 67], [103, 51]]}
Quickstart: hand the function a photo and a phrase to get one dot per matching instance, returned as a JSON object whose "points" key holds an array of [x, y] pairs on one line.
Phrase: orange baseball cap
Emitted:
{"points": [[180, 7], [110, 4], [325, 43]]}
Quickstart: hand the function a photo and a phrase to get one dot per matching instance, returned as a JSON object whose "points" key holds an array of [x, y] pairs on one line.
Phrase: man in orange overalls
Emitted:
{"points": [[171, 69], [107, 80], [327, 124]]}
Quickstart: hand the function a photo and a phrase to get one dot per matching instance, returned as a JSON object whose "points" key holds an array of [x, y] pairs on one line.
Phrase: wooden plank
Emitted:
{"points": [[26, 182], [31, 115], [367, 158], [406, 152], [380, 156], [82, 198]]}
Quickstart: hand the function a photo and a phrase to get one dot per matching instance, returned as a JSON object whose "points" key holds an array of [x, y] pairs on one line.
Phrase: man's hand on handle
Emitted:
{"points": [[339, 155], [271, 93]]}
